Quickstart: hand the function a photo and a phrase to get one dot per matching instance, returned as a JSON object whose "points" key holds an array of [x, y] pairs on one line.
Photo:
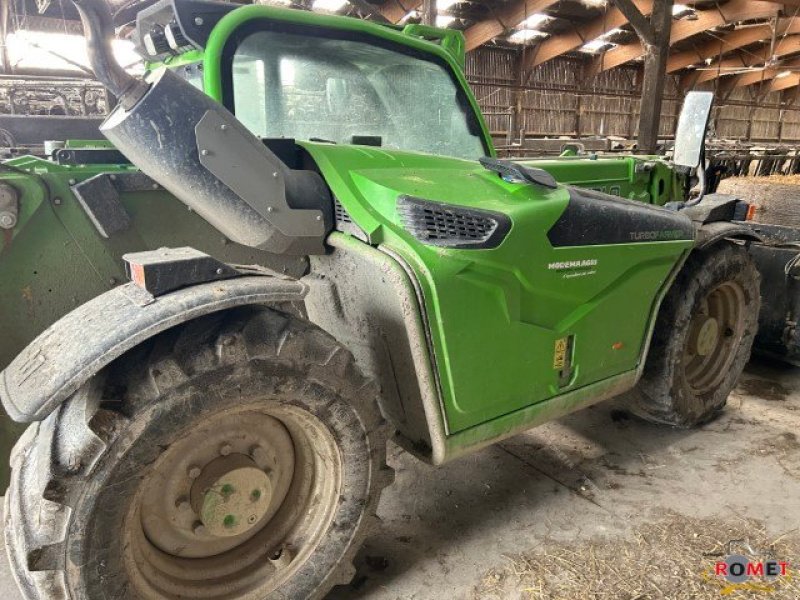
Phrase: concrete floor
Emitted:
{"points": [[595, 474]]}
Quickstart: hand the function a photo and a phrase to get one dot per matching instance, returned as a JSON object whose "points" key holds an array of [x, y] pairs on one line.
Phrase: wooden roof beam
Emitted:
{"points": [[728, 42], [395, 10], [762, 76], [508, 16], [783, 83], [786, 46], [788, 3], [731, 12], [562, 43]]}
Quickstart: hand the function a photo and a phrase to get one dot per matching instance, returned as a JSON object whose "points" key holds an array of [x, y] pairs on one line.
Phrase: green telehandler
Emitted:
{"points": [[298, 242]]}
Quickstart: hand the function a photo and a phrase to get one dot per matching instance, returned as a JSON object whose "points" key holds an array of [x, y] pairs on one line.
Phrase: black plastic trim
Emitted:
{"points": [[593, 218], [194, 18]]}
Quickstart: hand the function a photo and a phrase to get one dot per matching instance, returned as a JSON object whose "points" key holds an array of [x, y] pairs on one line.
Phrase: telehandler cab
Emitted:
{"points": [[216, 427]]}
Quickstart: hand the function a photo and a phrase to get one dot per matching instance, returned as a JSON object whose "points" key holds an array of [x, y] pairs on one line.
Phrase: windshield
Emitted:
{"points": [[345, 91]]}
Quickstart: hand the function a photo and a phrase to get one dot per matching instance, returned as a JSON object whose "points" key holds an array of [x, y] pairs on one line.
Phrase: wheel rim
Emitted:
{"points": [[715, 332], [234, 507]]}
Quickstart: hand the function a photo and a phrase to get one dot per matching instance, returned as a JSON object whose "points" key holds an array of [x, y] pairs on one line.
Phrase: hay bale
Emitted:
{"points": [[777, 198]]}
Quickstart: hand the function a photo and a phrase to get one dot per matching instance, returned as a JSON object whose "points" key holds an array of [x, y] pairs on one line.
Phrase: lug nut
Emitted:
{"points": [[198, 528], [225, 449], [182, 504], [194, 472], [7, 220]]}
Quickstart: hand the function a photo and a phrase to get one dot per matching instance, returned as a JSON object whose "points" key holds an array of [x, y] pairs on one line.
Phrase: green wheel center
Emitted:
{"points": [[233, 495]]}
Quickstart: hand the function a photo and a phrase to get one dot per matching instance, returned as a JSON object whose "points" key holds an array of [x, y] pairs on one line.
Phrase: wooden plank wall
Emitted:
{"points": [[556, 102]]}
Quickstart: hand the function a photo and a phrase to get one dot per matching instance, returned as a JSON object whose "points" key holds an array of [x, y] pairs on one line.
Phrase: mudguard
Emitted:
{"points": [[709, 233], [76, 347]]}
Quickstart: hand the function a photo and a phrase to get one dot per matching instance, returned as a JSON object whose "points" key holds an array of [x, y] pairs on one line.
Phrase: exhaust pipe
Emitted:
{"points": [[99, 30], [202, 154]]}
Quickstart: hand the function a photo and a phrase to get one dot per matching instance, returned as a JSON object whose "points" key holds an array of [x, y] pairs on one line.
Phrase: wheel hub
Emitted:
{"points": [[707, 334], [219, 486], [235, 504], [231, 495], [714, 334]]}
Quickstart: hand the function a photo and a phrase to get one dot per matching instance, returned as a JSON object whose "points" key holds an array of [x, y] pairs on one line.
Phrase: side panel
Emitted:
{"points": [[507, 322]]}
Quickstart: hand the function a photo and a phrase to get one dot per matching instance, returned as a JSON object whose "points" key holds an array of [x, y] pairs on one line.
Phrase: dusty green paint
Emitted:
{"points": [[495, 315], [187, 58], [644, 178], [451, 40], [72, 144]]}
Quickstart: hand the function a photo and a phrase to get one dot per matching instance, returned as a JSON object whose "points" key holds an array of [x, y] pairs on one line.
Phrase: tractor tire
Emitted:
{"points": [[702, 339], [241, 457]]}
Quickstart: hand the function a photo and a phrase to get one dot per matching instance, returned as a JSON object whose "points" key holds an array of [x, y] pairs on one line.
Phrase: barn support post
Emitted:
{"points": [[654, 34], [429, 12]]}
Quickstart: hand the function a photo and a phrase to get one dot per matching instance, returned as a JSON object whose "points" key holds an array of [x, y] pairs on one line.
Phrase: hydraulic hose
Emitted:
{"points": [[701, 176]]}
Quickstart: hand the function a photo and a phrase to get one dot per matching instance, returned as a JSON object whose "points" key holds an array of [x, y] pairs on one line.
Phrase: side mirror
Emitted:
{"points": [[691, 134]]}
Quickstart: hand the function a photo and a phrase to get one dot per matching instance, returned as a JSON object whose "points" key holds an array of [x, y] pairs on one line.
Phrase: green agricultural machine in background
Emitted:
{"points": [[309, 245]]}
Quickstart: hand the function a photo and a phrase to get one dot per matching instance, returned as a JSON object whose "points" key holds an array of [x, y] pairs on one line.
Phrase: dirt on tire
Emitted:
{"points": [[76, 475]]}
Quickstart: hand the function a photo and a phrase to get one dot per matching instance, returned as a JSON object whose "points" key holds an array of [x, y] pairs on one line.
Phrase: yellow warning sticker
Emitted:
{"points": [[560, 354]]}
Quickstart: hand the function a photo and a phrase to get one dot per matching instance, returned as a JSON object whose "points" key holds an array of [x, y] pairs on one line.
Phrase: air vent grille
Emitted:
{"points": [[451, 226], [340, 213]]}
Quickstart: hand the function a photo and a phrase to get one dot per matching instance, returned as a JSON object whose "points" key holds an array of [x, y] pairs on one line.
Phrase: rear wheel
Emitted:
{"points": [[240, 457], [702, 340]]}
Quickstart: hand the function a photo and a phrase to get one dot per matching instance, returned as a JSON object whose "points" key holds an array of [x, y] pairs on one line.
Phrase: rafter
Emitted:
{"points": [[638, 20], [733, 11], [734, 40], [762, 76], [783, 83], [784, 2], [506, 17], [572, 40], [785, 47], [394, 10]]}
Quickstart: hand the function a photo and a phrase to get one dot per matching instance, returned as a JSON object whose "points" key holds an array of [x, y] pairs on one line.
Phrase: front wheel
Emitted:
{"points": [[239, 457], [702, 339]]}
